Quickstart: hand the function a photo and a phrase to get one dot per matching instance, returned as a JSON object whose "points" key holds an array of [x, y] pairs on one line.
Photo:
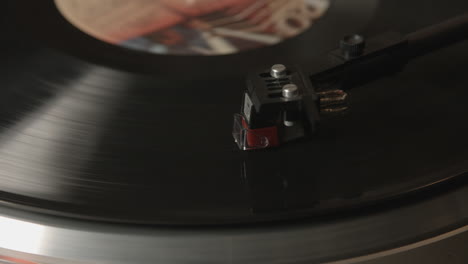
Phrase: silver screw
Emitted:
{"points": [[290, 91], [278, 70]]}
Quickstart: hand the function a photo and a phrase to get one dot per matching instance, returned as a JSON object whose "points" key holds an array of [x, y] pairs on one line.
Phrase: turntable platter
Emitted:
{"points": [[96, 131]]}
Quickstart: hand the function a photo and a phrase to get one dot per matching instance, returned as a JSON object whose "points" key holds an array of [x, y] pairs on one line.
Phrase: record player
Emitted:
{"points": [[117, 142]]}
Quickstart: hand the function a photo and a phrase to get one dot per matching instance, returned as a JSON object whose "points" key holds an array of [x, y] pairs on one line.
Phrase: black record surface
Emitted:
{"points": [[99, 132]]}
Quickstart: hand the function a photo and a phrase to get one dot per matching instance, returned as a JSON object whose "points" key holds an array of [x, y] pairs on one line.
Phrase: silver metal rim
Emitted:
{"points": [[301, 243]]}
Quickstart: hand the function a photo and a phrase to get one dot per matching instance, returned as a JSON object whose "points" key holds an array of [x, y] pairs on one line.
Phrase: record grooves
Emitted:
{"points": [[95, 131]]}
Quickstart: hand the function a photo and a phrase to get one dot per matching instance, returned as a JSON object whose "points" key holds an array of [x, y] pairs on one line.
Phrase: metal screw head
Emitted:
{"points": [[290, 91], [278, 70]]}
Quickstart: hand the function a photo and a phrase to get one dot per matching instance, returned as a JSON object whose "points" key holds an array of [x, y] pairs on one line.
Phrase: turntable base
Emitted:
{"points": [[114, 155]]}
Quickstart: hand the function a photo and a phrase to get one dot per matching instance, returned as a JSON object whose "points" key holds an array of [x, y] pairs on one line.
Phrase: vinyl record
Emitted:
{"points": [[99, 131]]}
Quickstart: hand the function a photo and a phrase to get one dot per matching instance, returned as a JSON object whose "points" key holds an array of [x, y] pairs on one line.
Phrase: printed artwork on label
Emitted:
{"points": [[193, 27]]}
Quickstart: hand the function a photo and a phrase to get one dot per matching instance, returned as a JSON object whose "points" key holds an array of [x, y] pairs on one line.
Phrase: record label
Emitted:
{"points": [[193, 27]]}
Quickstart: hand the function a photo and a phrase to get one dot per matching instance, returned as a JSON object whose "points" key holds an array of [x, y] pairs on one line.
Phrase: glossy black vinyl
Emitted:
{"points": [[93, 131]]}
